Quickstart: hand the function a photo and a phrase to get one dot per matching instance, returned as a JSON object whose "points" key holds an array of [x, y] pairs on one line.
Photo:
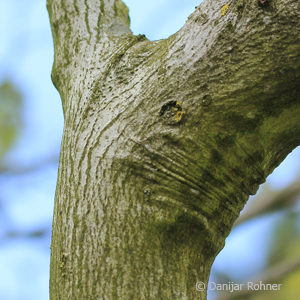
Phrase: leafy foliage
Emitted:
{"points": [[10, 115]]}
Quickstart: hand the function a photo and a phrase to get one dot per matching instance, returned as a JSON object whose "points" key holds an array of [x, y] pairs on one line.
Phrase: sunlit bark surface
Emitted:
{"points": [[165, 140]]}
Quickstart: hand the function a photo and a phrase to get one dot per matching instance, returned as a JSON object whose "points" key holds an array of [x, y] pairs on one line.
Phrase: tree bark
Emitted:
{"points": [[165, 140]]}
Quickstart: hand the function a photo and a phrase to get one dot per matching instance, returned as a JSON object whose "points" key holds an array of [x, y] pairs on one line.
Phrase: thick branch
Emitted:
{"points": [[164, 141], [80, 28]]}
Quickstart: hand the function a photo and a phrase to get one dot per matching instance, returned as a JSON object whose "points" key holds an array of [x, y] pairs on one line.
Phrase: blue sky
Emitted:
{"points": [[26, 56]]}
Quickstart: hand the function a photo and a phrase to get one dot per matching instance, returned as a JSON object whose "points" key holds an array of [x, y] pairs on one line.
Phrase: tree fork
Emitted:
{"points": [[165, 140]]}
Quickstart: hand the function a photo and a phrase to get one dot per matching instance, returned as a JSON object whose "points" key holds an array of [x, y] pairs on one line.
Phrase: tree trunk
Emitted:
{"points": [[164, 141]]}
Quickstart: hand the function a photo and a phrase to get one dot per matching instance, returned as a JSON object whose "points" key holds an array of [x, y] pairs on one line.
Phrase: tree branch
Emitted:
{"points": [[17, 234], [36, 166], [273, 275], [164, 141], [270, 202], [81, 28]]}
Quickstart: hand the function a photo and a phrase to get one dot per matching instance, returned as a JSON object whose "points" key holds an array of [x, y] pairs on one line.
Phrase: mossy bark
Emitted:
{"points": [[164, 141]]}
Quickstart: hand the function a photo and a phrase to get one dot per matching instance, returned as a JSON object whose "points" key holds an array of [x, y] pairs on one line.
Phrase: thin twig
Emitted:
{"points": [[271, 201], [19, 169]]}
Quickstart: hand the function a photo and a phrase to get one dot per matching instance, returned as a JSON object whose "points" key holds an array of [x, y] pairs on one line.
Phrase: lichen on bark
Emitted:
{"points": [[146, 197]]}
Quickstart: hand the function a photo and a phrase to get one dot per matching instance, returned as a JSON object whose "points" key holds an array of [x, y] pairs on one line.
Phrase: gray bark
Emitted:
{"points": [[164, 141]]}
